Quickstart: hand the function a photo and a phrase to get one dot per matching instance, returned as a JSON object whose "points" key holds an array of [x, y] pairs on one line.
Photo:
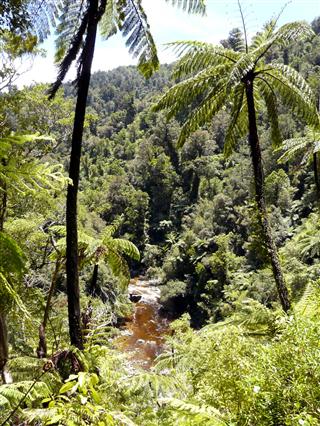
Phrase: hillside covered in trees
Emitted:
{"points": [[203, 180]]}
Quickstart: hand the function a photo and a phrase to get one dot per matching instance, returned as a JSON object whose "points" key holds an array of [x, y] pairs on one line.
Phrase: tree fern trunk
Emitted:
{"points": [[93, 286], [4, 351], [74, 169], [260, 200]]}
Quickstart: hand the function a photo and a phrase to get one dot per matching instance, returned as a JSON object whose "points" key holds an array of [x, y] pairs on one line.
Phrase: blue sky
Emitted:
{"points": [[170, 24]]}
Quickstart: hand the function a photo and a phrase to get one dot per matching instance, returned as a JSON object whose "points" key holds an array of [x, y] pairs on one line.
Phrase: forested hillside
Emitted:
{"points": [[168, 191]]}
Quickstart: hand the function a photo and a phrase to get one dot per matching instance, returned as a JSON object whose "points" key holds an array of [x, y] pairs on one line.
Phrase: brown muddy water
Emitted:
{"points": [[142, 337]]}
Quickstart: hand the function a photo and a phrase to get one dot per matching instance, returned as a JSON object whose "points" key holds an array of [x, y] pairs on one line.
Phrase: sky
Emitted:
{"points": [[170, 24]]}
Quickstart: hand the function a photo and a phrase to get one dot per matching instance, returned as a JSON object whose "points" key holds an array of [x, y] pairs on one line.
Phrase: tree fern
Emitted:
{"points": [[307, 146], [24, 174], [308, 305], [243, 80], [194, 413]]}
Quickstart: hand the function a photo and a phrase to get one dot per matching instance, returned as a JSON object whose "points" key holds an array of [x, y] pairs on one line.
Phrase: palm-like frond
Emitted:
{"points": [[190, 90], [43, 15], [126, 247], [308, 145], [238, 125], [283, 37], [12, 267], [263, 36], [26, 175], [292, 92], [135, 28], [308, 304], [191, 6], [212, 103], [270, 100], [194, 413], [197, 56]]}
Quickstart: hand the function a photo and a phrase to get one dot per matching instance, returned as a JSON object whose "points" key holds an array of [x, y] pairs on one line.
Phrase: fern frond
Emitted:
{"points": [[126, 247], [110, 20], [291, 147], [190, 90], [283, 37], [152, 383], [271, 103], [200, 57], [238, 125], [292, 95], [44, 15], [262, 37], [14, 392], [308, 305], [70, 56], [191, 6], [199, 413], [135, 28], [191, 47], [12, 257], [212, 103]]}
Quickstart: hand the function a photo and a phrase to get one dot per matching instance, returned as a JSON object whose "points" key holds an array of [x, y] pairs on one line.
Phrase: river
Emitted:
{"points": [[142, 336]]}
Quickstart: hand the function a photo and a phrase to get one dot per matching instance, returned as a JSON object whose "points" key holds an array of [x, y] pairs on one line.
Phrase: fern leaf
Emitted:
{"points": [[212, 103], [238, 125], [202, 411], [271, 103], [292, 95], [135, 28], [126, 247], [192, 6]]}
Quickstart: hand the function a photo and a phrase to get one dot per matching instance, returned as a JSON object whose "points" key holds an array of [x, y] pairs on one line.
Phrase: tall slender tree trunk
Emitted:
{"points": [[4, 350], [259, 191], [42, 346], [73, 290]]}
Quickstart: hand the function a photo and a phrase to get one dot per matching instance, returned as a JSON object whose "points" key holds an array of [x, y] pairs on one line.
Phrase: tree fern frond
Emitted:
{"points": [[14, 392], [290, 148], [12, 257], [271, 103], [70, 20], [189, 90], [195, 61], [212, 103], [44, 15], [191, 6], [284, 36], [199, 412], [152, 383], [292, 96], [135, 27], [262, 37], [126, 247], [110, 20], [70, 56], [296, 79], [184, 47], [118, 265], [308, 305], [243, 66], [238, 125]]}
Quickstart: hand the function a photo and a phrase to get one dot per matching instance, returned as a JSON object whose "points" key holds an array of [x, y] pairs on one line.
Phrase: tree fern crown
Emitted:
{"points": [[213, 76]]}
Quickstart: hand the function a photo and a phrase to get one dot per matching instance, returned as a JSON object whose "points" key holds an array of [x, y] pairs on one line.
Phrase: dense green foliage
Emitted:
{"points": [[232, 356]]}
